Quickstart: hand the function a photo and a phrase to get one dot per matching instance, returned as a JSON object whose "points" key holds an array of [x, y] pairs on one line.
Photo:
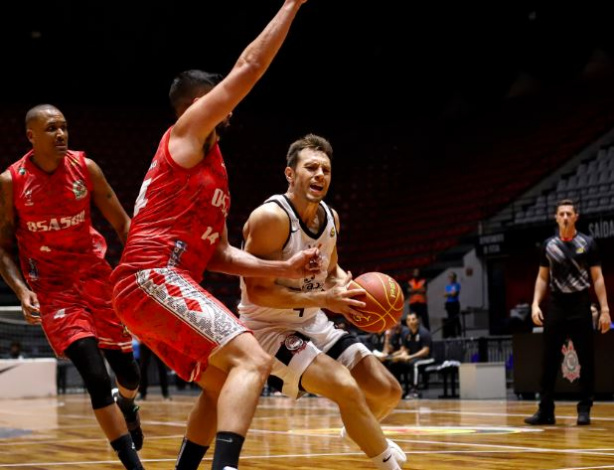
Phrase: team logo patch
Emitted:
{"points": [[294, 344], [21, 171], [580, 250], [28, 197], [59, 314], [79, 189], [571, 365], [332, 232]]}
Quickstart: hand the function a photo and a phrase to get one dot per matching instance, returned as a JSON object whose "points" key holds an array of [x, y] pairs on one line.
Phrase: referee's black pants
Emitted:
{"points": [[569, 316]]}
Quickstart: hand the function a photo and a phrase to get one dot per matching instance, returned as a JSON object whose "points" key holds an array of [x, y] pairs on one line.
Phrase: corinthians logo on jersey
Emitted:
{"points": [[79, 189], [294, 344]]}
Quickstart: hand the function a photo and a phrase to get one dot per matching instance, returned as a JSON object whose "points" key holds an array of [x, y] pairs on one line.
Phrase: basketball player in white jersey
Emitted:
{"points": [[286, 317]]}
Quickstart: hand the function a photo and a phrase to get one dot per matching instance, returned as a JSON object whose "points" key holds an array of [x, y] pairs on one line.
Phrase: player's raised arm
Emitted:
{"points": [[203, 114]]}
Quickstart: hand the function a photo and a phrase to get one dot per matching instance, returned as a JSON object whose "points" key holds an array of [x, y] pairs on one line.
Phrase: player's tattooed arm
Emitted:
{"points": [[107, 202], [9, 268]]}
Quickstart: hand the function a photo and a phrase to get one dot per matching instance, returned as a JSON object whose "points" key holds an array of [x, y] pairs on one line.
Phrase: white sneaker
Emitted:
{"points": [[399, 455]]}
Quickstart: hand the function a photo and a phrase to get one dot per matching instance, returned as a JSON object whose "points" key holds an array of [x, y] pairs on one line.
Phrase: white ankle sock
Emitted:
{"points": [[397, 451], [386, 460]]}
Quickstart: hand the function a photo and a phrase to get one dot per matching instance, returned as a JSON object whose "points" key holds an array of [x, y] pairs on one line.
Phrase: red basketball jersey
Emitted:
{"points": [[179, 215], [54, 230]]}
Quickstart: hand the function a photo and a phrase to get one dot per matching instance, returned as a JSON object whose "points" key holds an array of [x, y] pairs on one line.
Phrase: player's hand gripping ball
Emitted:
{"points": [[384, 299]]}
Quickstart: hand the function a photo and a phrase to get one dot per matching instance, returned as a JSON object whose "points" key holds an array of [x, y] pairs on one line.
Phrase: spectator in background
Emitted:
{"points": [[416, 293], [452, 325], [391, 347], [415, 352], [15, 351]]}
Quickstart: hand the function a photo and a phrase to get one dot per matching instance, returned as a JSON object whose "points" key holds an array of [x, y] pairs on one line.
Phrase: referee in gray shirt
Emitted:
{"points": [[568, 262]]}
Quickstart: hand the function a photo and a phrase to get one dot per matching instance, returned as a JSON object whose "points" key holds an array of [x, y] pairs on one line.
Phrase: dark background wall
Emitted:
{"points": [[364, 60]]}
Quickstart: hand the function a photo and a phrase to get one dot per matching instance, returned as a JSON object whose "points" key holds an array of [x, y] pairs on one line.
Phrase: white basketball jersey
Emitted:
{"points": [[299, 238]]}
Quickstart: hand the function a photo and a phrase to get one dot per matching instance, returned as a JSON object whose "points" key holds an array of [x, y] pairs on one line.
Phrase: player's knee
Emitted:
{"points": [[392, 391], [346, 390], [256, 363], [262, 363], [98, 386], [129, 376], [126, 369]]}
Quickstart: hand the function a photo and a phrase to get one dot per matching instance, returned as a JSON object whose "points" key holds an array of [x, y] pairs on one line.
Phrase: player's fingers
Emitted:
{"points": [[31, 312], [355, 313], [30, 319], [354, 291], [356, 303]]}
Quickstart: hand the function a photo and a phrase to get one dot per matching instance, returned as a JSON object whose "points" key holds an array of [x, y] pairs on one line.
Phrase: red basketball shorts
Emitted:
{"points": [[80, 310], [178, 319]]}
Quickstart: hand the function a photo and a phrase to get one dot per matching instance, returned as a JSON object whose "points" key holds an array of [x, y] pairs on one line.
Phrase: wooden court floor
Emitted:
{"points": [[61, 433]]}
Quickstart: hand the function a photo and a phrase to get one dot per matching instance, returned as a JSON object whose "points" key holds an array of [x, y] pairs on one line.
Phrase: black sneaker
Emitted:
{"points": [[584, 418], [540, 417], [133, 421], [584, 414]]}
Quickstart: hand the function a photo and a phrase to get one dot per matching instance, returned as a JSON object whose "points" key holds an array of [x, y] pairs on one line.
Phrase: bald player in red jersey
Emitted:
{"points": [[63, 284], [178, 231]]}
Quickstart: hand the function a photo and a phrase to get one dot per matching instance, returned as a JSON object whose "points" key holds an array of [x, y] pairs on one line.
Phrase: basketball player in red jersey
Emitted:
{"points": [[286, 316], [64, 279], [178, 231]]}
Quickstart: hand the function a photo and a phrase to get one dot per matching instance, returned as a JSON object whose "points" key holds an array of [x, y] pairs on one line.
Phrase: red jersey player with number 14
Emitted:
{"points": [[178, 231]]}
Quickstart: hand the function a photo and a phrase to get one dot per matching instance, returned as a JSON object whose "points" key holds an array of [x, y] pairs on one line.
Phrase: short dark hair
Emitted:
{"points": [[310, 141], [191, 84], [566, 202], [36, 111]]}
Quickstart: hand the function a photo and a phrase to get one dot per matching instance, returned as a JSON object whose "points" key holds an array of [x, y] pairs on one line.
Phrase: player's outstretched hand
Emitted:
{"points": [[30, 307]]}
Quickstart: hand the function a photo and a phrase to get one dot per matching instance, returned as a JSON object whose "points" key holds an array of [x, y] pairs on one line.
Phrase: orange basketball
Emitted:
{"points": [[384, 301]]}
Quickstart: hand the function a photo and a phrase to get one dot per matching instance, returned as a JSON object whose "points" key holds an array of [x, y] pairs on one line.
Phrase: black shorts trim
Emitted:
{"points": [[341, 345]]}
